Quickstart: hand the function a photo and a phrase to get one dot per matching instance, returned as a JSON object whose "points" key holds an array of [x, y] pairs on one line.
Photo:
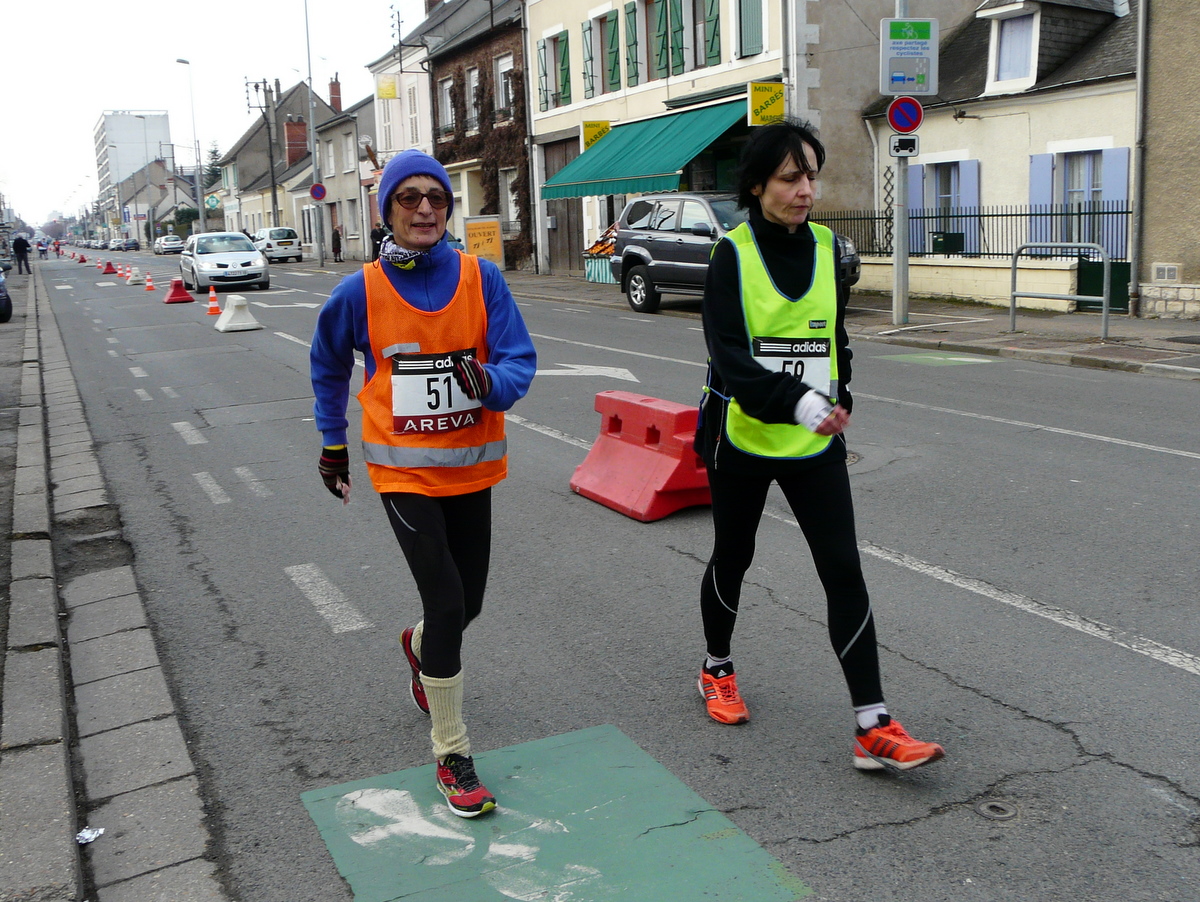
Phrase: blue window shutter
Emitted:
{"points": [[916, 203], [1114, 174], [1041, 196], [968, 199]]}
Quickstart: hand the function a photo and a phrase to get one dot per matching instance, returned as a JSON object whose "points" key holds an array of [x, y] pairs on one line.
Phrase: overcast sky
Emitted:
{"points": [[63, 64]]}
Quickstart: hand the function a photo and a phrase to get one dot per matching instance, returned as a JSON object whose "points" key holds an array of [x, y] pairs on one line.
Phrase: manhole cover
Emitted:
{"points": [[995, 810], [1187, 339], [852, 458]]}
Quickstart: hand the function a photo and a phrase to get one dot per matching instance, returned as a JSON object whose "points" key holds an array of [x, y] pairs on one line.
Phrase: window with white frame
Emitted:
{"points": [[472, 98], [503, 87], [554, 71], [332, 160], [385, 117], [1013, 46], [445, 107], [349, 152], [414, 121], [750, 27], [510, 212], [1083, 190]]}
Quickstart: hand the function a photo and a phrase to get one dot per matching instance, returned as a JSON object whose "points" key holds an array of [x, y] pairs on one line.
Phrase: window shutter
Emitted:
{"points": [[631, 43], [1041, 194], [916, 201], [968, 199], [676, 14], [612, 53], [543, 94], [589, 80], [658, 44], [564, 69], [750, 27], [1114, 174], [712, 33]]}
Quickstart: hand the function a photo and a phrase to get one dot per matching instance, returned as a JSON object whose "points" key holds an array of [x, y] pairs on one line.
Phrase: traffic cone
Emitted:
{"points": [[149, 281], [82, 258], [214, 309], [108, 269], [178, 294], [100, 264]]}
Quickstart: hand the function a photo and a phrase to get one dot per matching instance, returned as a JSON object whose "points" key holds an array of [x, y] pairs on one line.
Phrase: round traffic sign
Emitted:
{"points": [[904, 114], [317, 191]]}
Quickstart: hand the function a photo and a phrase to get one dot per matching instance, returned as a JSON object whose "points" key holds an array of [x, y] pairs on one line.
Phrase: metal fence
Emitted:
{"points": [[983, 232]]}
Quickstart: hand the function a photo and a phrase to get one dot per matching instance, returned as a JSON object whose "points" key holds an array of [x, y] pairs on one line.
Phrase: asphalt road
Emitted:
{"points": [[1029, 536]]}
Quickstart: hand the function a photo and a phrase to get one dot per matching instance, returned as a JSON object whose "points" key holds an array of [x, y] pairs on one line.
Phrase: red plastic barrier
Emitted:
{"points": [[178, 294], [643, 463], [109, 269]]}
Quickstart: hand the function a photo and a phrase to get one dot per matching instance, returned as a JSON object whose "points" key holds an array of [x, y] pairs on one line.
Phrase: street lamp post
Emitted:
{"points": [[117, 187], [203, 220], [318, 225], [149, 227]]}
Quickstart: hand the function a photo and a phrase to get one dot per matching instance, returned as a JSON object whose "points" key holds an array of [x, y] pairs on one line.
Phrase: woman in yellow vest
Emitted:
{"points": [[446, 352], [775, 409]]}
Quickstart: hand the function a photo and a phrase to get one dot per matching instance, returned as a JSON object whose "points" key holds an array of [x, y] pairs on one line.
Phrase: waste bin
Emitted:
{"points": [[597, 269], [948, 242]]}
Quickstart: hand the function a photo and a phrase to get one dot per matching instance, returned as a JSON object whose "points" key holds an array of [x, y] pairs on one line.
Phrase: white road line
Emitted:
{"points": [[1164, 654], [339, 613], [112, 353], [169, 392], [246, 475], [64, 287], [550, 431], [215, 493], [138, 372], [584, 344], [956, 322], [190, 433], [112, 341], [1071, 432], [143, 394], [301, 341]]}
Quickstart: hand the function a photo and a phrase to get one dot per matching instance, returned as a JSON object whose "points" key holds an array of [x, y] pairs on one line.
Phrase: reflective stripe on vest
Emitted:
{"points": [[785, 335], [420, 432]]}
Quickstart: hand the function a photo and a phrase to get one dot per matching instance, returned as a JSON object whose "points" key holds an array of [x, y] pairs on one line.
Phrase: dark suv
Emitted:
{"points": [[664, 241]]}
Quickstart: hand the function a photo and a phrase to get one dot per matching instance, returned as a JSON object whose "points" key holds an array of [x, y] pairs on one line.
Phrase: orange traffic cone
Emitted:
{"points": [[214, 309], [100, 265], [149, 282]]}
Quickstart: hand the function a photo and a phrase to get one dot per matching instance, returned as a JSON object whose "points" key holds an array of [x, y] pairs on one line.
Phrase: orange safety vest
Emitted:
{"points": [[420, 432]]}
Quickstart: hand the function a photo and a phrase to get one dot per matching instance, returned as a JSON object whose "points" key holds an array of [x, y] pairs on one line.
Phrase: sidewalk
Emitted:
{"points": [[87, 718]]}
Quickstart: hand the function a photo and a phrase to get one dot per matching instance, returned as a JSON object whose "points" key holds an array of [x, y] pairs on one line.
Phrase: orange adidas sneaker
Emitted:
{"points": [[888, 745], [721, 696]]}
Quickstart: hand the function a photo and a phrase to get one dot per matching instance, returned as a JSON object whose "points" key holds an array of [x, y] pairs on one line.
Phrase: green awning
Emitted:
{"points": [[644, 156]]}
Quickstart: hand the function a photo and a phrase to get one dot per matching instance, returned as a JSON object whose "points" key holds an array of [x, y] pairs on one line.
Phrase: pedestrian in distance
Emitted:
{"points": [[336, 242], [377, 235], [20, 249], [446, 352], [775, 409]]}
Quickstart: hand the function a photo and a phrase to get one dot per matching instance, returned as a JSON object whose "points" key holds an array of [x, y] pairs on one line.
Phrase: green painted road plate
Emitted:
{"points": [[584, 817], [937, 358]]}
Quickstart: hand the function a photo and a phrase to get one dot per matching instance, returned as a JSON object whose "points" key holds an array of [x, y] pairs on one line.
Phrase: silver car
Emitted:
{"points": [[222, 258], [280, 243]]}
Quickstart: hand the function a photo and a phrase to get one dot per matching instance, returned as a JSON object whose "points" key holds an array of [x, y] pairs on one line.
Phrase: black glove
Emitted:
{"points": [[472, 378], [335, 466]]}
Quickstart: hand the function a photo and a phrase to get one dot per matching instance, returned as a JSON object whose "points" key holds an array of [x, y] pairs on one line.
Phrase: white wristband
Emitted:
{"points": [[812, 409]]}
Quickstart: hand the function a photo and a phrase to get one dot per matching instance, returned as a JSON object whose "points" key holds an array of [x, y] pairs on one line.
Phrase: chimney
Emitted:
{"points": [[335, 93], [431, 5], [278, 90], [295, 136]]}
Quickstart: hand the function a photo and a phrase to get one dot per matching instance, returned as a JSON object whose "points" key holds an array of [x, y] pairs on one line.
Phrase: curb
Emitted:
{"points": [[89, 720]]}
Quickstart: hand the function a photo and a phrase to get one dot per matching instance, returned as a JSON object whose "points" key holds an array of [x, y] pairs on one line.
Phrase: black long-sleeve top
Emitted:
{"points": [[767, 396]]}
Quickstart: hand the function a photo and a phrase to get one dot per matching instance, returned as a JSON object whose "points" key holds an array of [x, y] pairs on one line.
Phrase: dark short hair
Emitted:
{"points": [[768, 147]]}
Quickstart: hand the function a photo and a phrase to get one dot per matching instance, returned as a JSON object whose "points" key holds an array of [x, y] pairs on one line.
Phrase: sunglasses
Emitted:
{"points": [[410, 198]]}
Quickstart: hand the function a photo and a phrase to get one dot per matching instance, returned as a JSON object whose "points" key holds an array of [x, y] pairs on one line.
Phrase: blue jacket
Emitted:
{"points": [[429, 285]]}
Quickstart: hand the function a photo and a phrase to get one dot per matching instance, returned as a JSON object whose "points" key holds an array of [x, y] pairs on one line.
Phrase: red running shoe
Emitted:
{"points": [[722, 698], [465, 795], [888, 745], [417, 690]]}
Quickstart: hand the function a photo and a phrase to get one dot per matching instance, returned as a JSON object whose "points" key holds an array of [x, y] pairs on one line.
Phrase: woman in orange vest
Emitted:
{"points": [[446, 352]]}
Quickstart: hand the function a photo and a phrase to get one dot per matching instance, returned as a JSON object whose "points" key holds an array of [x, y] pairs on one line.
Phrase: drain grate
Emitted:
{"points": [[1186, 339], [852, 458]]}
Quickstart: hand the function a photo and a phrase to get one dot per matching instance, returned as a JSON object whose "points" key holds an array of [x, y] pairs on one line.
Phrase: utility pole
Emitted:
{"points": [[319, 219], [900, 225], [267, 105]]}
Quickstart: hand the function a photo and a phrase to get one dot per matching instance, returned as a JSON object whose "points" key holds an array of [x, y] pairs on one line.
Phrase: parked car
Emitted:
{"points": [[131, 244], [663, 244], [222, 258], [168, 244], [279, 244], [114, 244]]}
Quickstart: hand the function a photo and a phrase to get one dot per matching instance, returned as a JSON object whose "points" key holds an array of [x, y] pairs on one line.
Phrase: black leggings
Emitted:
{"points": [[820, 500], [447, 543]]}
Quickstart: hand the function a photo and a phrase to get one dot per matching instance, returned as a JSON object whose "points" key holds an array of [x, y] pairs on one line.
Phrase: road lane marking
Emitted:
{"points": [[169, 392], [956, 322], [190, 433], [143, 394], [112, 353], [575, 369], [212, 489], [246, 475], [301, 341], [584, 344], [550, 431], [339, 613], [1164, 654], [65, 287], [138, 372], [1071, 432]]}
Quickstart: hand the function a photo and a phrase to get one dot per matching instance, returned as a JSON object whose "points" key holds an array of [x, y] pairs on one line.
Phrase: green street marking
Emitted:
{"points": [[933, 358], [583, 817]]}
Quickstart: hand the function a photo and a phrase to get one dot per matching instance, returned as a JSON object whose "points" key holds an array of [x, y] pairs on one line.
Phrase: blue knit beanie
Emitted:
{"points": [[408, 163]]}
